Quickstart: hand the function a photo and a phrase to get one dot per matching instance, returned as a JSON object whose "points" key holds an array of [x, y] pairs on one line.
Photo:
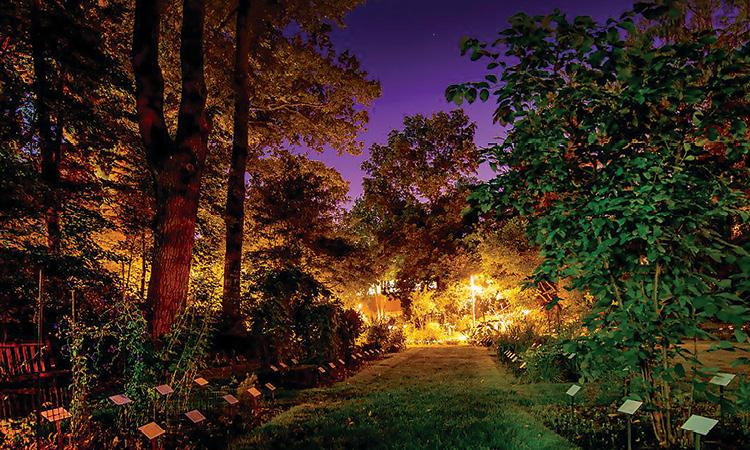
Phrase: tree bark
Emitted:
{"points": [[176, 164], [49, 146], [250, 16], [234, 216]]}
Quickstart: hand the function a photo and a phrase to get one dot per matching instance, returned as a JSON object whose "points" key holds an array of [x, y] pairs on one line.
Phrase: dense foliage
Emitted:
{"points": [[628, 155]]}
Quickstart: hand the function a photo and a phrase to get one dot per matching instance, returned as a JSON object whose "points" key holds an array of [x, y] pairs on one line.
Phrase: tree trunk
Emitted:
{"points": [[250, 17], [176, 165], [176, 212], [49, 146], [234, 217]]}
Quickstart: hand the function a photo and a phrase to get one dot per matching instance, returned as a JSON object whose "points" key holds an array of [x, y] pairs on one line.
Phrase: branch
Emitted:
{"points": [[288, 106]]}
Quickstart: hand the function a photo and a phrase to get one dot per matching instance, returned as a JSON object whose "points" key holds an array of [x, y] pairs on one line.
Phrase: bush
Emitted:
{"points": [[431, 333], [485, 333], [294, 315], [386, 336], [350, 327], [549, 362], [517, 338]]}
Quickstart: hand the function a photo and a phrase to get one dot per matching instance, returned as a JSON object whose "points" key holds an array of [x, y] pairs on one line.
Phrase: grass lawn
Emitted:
{"points": [[426, 397]]}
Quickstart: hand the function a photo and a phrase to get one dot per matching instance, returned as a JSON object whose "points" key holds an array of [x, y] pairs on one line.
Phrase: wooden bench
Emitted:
{"points": [[21, 365]]}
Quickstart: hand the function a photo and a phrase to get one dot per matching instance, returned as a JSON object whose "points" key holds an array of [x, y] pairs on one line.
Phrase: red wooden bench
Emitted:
{"points": [[21, 365]]}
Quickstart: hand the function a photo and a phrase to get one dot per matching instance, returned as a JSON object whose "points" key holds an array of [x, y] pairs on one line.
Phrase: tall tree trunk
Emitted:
{"points": [[234, 216], [176, 165], [249, 27], [49, 146]]}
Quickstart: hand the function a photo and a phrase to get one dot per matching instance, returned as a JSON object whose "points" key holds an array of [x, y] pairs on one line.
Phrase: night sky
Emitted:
{"points": [[411, 46]]}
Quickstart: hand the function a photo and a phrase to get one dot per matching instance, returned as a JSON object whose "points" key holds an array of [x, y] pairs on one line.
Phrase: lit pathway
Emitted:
{"points": [[428, 397]]}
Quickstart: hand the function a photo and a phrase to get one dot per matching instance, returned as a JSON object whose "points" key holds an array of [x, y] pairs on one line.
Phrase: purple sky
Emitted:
{"points": [[411, 46]]}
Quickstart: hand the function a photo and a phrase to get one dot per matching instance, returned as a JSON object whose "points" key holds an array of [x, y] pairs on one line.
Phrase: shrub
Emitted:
{"points": [[431, 333], [549, 362], [517, 337], [292, 314], [485, 333], [350, 328], [386, 336]]}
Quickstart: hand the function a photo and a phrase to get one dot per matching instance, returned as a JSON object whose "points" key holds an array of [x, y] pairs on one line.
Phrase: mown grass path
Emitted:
{"points": [[424, 398]]}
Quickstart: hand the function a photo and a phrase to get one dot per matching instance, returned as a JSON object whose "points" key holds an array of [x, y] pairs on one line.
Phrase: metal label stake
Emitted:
{"points": [[629, 408], [700, 426]]}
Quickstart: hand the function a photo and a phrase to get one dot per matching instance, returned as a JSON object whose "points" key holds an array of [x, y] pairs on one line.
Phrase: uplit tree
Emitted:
{"points": [[414, 191]]}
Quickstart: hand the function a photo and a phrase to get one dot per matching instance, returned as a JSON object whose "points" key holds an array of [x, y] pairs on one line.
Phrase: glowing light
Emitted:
{"points": [[525, 312]]}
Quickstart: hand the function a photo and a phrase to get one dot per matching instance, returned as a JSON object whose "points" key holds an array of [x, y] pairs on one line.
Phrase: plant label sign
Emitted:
{"points": [[274, 368], [629, 407], [573, 390], [200, 381], [270, 387], [283, 365], [164, 389], [722, 379], [254, 393], [332, 365], [151, 430], [295, 361], [231, 399], [699, 424], [341, 362], [321, 370], [56, 414], [571, 356], [523, 366], [195, 416], [119, 399]]}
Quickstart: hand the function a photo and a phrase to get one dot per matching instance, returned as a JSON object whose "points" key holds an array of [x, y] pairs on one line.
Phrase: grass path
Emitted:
{"points": [[423, 398]]}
